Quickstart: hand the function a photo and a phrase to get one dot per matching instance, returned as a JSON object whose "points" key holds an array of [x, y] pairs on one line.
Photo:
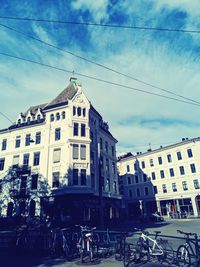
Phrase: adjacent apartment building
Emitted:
{"points": [[166, 179], [66, 143]]}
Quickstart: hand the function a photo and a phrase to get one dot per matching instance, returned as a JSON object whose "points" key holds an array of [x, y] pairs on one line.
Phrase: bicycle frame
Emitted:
{"points": [[194, 248], [155, 249]]}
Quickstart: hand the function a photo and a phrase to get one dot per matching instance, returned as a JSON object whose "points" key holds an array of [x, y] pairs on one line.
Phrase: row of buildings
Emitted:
{"points": [[59, 159]]}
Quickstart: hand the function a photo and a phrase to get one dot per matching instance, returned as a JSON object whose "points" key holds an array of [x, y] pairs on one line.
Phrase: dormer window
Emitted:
{"points": [[58, 116], [84, 112], [52, 117], [19, 122], [38, 117], [28, 119]]}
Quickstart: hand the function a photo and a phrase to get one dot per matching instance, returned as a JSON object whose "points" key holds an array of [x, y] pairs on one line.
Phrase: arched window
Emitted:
{"points": [[63, 115], [38, 117], [52, 117], [32, 208], [10, 209], [84, 112], [19, 122], [57, 116], [74, 111], [79, 111]]}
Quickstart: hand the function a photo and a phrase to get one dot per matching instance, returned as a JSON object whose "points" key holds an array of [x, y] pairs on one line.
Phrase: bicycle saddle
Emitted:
{"points": [[157, 232]]}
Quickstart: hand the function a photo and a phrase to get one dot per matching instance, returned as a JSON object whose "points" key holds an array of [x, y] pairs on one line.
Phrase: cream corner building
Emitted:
{"points": [[62, 141]]}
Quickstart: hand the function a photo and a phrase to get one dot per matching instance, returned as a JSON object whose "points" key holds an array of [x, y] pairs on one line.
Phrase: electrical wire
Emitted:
{"points": [[97, 64], [97, 79], [101, 25]]}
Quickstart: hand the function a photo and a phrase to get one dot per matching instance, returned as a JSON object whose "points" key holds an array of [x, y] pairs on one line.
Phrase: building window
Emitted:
{"points": [[182, 171], [162, 174], [113, 151], [130, 193], [144, 177], [55, 179], [83, 152], [28, 140], [79, 111], [146, 191], [75, 176], [4, 144], [107, 166], [193, 168], [106, 146], [143, 165], [169, 158], [153, 176], [136, 166], [138, 192], [84, 112], [56, 155], [101, 143], [159, 160], [28, 120], [171, 171], [63, 115], [75, 129], [128, 168], [113, 168], [155, 189], [38, 118], [15, 160], [115, 187], [179, 156], [196, 184], [83, 177], [151, 162], [75, 151], [26, 159], [38, 138], [184, 184], [34, 181], [174, 188], [189, 152], [74, 111], [52, 117], [136, 179], [2, 162], [17, 141], [36, 159], [82, 129], [107, 185], [129, 180], [57, 134], [164, 188], [91, 136], [57, 116]]}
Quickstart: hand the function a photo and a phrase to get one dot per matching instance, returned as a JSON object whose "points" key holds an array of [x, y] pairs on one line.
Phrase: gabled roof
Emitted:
{"points": [[62, 98], [34, 109]]}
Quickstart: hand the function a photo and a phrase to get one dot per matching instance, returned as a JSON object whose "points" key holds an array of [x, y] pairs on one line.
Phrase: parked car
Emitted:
{"points": [[155, 217]]}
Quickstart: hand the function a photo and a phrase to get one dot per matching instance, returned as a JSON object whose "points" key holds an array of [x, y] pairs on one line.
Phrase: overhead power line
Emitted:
{"points": [[98, 64], [101, 24], [6, 117], [98, 79]]}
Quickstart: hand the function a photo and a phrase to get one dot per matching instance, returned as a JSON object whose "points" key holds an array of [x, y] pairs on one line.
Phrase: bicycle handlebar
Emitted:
{"points": [[187, 234], [85, 228]]}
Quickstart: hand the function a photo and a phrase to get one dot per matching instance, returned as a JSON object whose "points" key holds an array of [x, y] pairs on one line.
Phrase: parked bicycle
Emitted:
{"points": [[148, 249], [86, 244], [188, 254]]}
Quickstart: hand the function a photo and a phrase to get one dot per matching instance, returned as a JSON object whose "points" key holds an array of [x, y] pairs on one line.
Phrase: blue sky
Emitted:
{"points": [[166, 59]]}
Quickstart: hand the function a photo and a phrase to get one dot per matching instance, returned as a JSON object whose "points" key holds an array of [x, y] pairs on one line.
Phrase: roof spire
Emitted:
{"points": [[73, 79]]}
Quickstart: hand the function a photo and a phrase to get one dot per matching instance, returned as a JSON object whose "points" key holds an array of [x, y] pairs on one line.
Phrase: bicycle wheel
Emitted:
{"points": [[142, 251], [168, 253], [183, 257], [129, 254]]}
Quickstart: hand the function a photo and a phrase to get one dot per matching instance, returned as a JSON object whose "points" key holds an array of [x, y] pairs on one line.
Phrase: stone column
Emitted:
{"points": [[194, 206]]}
